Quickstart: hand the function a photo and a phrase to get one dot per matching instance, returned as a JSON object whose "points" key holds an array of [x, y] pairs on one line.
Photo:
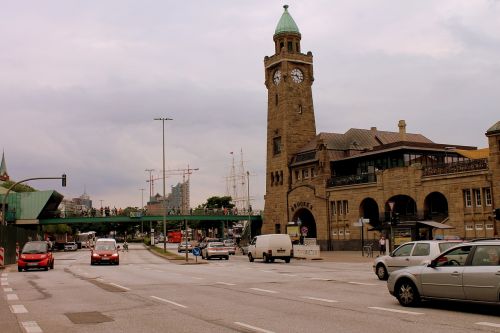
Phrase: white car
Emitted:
{"points": [[410, 254], [70, 246], [269, 247]]}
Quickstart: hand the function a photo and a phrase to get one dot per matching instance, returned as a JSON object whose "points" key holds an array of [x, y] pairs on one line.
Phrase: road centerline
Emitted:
{"points": [[265, 290], [395, 310], [167, 301], [253, 328]]}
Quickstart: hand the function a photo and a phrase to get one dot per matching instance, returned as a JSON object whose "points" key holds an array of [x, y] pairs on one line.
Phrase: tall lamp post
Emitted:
{"points": [[164, 201], [249, 207], [142, 209], [150, 195]]}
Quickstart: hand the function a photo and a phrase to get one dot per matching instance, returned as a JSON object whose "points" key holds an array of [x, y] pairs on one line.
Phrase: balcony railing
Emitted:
{"points": [[351, 180], [472, 165]]}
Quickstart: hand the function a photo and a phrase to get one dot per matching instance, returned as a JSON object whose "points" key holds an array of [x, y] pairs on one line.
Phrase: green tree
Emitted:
{"points": [[18, 188], [218, 202]]}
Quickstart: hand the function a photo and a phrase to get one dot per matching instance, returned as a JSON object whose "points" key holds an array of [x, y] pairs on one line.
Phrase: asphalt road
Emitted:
{"points": [[146, 293]]}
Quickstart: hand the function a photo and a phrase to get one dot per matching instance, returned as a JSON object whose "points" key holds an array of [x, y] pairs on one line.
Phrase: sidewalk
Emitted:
{"points": [[345, 256], [8, 320]]}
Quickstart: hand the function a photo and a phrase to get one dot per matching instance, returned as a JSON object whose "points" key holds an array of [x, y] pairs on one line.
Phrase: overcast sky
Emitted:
{"points": [[81, 81]]}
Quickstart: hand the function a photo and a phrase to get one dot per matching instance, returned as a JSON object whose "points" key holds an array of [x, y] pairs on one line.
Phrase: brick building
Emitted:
{"points": [[326, 184]]}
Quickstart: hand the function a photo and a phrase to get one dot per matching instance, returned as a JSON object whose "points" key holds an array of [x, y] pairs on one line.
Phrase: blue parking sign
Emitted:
{"points": [[196, 251]]}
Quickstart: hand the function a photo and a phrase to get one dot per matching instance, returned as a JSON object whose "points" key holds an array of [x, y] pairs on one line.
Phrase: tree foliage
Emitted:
{"points": [[218, 202], [18, 188]]}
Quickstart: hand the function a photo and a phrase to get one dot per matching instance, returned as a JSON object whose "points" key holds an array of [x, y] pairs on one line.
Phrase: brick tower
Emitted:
{"points": [[290, 116]]}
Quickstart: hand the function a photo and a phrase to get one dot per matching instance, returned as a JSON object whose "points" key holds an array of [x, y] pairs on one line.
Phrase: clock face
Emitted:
{"points": [[277, 77], [297, 75]]}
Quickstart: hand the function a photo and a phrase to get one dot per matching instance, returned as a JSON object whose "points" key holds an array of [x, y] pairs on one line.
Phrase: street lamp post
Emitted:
{"points": [[150, 194], [142, 209], [248, 197], [164, 197]]}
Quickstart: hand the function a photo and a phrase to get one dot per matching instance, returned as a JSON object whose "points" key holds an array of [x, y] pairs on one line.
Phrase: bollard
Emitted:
{"points": [[2, 252]]}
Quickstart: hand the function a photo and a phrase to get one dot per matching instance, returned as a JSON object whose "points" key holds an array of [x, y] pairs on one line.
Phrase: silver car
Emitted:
{"points": [[467, 272], [410, 254], [215, 250]]}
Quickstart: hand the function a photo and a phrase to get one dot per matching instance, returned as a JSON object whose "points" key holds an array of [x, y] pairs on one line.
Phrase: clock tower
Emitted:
{"points": [[290, 117]]}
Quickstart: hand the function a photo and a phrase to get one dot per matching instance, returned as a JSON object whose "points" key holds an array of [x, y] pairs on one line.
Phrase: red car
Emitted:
{"points": [[105, 251], [35, 255]]}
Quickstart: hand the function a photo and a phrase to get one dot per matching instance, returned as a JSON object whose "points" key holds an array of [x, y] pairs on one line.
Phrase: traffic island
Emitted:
{"points": [[173, 257]]}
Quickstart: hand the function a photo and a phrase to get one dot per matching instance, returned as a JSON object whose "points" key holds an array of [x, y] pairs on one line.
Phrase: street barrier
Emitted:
{"points": [[2, 251]]}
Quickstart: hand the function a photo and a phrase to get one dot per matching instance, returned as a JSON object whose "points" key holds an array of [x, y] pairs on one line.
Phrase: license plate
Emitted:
{"points": [[104, 258], [32, 264]]}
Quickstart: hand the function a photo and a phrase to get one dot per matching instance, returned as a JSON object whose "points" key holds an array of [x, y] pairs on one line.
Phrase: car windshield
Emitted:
{"points": [[216, 245], [108, 246], [35, 248]]}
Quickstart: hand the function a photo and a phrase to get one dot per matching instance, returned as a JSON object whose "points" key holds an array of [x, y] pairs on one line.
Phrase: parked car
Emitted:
{"points": [[35, 254], [214, 250], [70, 246], [105, 250], [182, 247], [270, 247], [410, 254], [467, 272], [231, 247]]}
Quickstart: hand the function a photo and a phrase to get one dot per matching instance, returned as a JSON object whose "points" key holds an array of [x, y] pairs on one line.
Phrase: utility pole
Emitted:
{"points": [[142, 209]]}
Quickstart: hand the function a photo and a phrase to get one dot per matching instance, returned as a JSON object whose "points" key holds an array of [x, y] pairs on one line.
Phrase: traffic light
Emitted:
{"points": [[63, 180]]}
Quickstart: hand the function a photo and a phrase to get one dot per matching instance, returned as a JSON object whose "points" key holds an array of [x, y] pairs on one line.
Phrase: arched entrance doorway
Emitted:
{"points": [[403, 206], [435, 207], [307, 222], [368, 209]]}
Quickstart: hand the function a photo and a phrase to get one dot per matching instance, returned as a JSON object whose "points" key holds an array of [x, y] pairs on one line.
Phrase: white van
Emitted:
{"points": [[270, 247]]}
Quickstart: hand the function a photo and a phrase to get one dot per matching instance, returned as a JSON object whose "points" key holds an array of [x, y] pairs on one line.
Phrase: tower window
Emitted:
{"points": [[277, 145], [282, 44], [297, 47], [290, 47]]}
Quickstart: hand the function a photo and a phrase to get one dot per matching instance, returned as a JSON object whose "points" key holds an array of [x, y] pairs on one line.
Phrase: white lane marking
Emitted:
{"points": [[362, 284], [319, 279], [265, 290], [7, 290], [167, 301], [394, 310], [288, 274], [100, 279], [253, 328], [31, 327], [117, 285], [266, 271], [320, 299], [197, 278], [4, 274], [12, 297], [18, 308], [4, 283], [485, 323], [225, 283]]}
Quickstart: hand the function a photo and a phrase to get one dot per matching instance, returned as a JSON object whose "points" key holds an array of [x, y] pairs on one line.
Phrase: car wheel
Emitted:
{"points": [[382, 272], [19, 269], [287, 260], [265, 258], [117, 263], [227, 258], [407, 293], [250, 257], [52, 265], [46, 268]]}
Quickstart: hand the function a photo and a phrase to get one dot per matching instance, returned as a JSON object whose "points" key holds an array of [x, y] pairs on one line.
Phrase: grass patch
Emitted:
{"points": [[168, 254]]}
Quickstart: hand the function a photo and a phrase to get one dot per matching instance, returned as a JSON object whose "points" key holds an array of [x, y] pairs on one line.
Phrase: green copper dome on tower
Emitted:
{"points": [[286, 23]]}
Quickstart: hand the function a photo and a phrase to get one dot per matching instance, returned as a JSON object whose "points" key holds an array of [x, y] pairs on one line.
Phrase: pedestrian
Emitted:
{"points": [[382, 245]]}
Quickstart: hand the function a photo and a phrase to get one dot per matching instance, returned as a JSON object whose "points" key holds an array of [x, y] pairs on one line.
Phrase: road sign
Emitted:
{"points": [[196, 251]]}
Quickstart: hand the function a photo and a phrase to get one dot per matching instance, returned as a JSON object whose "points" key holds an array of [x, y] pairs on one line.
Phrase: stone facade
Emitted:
{"points": [[325, 183]]}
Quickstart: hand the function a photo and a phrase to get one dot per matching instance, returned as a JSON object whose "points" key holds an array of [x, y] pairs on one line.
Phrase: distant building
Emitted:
{"points": [[397, 183], [178, 196]]}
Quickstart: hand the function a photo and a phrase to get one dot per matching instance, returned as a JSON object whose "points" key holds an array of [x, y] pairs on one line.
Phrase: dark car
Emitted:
{"points": [[105, 251], [35, 255]]}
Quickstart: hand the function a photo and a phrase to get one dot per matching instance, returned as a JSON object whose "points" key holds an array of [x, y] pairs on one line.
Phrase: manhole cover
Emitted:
{"points": [[93, 317]]}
